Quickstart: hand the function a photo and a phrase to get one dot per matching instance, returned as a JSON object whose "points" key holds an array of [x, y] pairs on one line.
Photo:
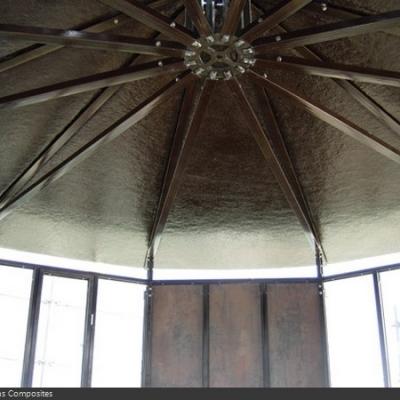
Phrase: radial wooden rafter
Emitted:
{"points": [[332, 118], [109, 134], [325, 33], [191, 115], [62, 138], [273, 148], [280, 13], [197, 95], [331, 70], [152, 19], [88, 40], [349, 87], [353, 90], [97, 81], [105, 23]]}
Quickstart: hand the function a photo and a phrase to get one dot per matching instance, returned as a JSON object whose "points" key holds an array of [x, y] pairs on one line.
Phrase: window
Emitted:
{"points": [[117, 359], [353, 337], [59, 349], [15, 289], [390, 288]]}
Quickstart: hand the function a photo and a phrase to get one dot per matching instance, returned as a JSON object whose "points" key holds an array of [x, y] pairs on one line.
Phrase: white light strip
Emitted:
{"points": [[259, 273], [361, 264], [66, 263]]}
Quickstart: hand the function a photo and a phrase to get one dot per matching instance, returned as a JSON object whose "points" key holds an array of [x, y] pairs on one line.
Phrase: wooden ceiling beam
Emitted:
{"points": [[197, 16], [92, 82], [109, 134], [191, 115], [88, 40], [71, 129], [232, 17], [328, 32], [274, 151], [352, 89], [331, 118], [269, 21], [153, 19], [331, 70]]}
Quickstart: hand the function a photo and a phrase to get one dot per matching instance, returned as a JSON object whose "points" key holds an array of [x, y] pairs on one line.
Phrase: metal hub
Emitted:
{"points": [[219, 57]]}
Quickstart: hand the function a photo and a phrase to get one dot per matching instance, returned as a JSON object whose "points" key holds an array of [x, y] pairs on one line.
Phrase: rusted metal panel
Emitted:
{"points": [[177, 336], [296, 357], [235, 336]]}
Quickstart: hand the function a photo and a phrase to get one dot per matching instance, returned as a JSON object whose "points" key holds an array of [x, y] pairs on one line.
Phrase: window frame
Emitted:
{"points": [[39, 271]]}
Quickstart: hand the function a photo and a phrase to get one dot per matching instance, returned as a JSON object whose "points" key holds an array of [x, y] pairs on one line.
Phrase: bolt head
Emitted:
{"points": [[196, 44], [158, 43], [265, 75], [228, 75], [199, 71], [160, 63], [324, 6], [225, 38], [213, 75], [279, 58], [260, 20], [278, 38], [116, 21], [210, 39]]}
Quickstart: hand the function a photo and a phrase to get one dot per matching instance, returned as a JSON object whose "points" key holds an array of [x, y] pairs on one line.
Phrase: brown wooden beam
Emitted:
{"points": [[109, 22], [109, 134], [278, 168], [341, 12], [352, 89], [333, 119], [324, 33], [97, 81], [61, 139], [197, 16], [88, 40], [279, 147], [152, 19], [190, 118], [232, 18], [331, 70], [279, 14], [38, 50]]}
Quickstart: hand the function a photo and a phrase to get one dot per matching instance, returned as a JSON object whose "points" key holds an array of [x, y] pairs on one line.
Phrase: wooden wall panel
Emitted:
{"points": [[177, 336], [296, 357], [235, 358]]}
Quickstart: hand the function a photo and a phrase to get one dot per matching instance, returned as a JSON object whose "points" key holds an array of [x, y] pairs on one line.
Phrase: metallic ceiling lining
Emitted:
{"points": [[229, 211]]}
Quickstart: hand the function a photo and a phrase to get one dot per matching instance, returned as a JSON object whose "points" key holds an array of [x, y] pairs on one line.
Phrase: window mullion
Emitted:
{"points": [[32, 328]]}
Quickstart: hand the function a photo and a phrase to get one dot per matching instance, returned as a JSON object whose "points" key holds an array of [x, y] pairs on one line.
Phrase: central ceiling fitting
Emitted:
{"points": [[218, 57]]}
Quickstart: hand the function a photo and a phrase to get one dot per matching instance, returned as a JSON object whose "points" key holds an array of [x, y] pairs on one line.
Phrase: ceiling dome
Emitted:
{"points": [[145, 128]]}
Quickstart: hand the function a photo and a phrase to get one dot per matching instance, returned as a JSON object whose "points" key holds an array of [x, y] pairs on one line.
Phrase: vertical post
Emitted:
{"points": [[381, 328], [147, 331], [206, 335], [32, 327], [264, 335], [324, 340], [90, 324]]}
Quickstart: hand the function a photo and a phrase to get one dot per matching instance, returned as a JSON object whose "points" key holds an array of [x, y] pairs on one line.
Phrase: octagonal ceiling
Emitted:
{"points": [[228, 200]]}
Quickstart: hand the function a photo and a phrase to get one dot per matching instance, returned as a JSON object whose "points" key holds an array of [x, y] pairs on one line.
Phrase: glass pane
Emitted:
{"points": [[117, 356], [58, 358], [353, 337], [390, 284], [15, 290]]}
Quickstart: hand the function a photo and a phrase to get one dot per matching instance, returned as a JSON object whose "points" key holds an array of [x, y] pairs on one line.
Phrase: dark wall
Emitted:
{"points": [[237, 335]]}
